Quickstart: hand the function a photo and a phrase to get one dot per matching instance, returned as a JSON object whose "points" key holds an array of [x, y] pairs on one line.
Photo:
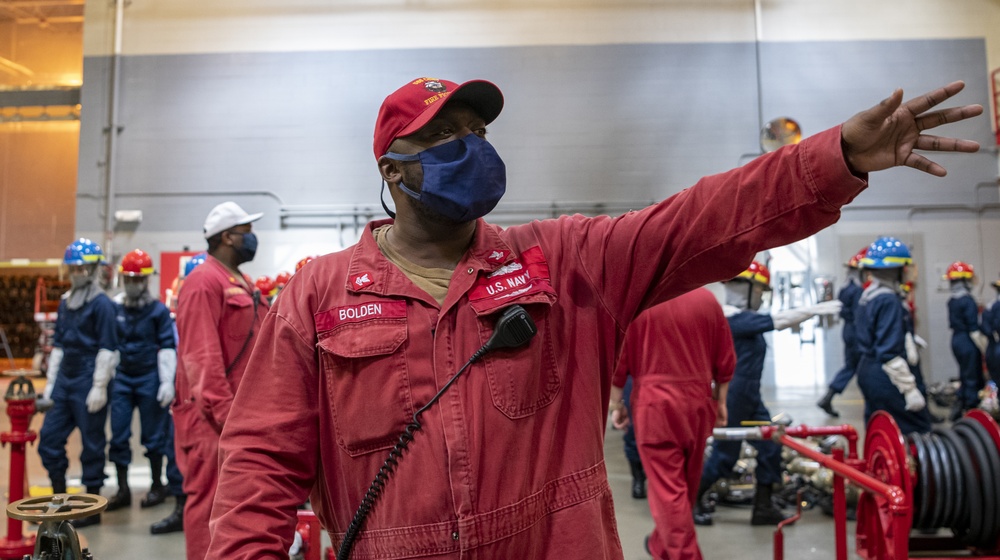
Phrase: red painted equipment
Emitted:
{"points": [[20, 398], [890, 477], [309, 531]]}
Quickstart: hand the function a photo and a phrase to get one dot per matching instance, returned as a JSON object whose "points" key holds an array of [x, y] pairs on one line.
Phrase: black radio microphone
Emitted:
{"points": [[514, 328]]}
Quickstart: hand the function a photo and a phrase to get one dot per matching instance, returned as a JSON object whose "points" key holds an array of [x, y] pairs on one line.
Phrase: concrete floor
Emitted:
{"points": [[124, 534]]}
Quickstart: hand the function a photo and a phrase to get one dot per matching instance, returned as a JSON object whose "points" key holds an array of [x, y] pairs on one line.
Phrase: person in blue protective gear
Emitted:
{"points": [[848, 296], [174, 522], [990, 327], [81, 367], [913, 343], [744, 296], [631, 450], [885, 376], [144, 381], [967, 343]]}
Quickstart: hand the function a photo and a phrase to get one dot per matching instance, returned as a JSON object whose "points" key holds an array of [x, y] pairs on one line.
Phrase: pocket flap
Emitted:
{"points": [[240, 300], [360, 340]]}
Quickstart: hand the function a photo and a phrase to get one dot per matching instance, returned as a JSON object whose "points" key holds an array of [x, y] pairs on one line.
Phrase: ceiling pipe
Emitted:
{"points": [[758, 32], [112, 130]]}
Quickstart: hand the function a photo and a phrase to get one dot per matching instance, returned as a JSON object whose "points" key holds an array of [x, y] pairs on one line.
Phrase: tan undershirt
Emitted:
{"points": [[434, 281]]}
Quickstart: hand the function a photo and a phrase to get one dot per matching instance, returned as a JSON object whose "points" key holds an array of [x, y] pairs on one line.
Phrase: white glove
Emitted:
{"points": [[166, 360], [104, 370], [900, 375], [831, 307], [912, 357], [52, 373], [296, 548], [792, 317], [980, 340], [914, 400], [921, 343]]}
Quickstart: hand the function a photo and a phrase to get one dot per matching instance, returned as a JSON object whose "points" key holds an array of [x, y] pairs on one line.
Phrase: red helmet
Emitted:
{"points": [[136, 263], [855, 261], [282, 278], [265, 285], [960, 271], [757, 273], [303, 262]]}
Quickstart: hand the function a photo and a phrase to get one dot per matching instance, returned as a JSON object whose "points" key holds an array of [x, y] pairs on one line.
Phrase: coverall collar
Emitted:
{"points": [[371, 272]]}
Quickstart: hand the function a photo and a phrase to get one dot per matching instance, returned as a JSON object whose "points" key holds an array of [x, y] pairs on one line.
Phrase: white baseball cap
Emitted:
{"points": [[227, 215]]}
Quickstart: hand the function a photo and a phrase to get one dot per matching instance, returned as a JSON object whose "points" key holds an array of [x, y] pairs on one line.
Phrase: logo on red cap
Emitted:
{"points": [[412, 106], [433, 85]]}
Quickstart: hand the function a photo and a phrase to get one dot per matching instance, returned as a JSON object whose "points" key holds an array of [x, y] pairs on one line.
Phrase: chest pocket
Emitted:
{"points": [[524, 379], [239, 312], [367, 383]]}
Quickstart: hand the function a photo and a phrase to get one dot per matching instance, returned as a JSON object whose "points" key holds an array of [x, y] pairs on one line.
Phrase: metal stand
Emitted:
{"points": [[57, 539]]}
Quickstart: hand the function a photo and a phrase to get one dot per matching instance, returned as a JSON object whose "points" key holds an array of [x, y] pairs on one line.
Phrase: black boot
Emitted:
{"points": [[59, 485], [156, 496], [764, 510], [157, 492], [173, 522], [92, 519], [703, 508], [123, 498], [826, 403], [638, 480]]}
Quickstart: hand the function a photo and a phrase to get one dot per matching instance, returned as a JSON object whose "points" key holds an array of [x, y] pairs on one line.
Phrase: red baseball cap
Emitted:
{"points": [[412, 106]]}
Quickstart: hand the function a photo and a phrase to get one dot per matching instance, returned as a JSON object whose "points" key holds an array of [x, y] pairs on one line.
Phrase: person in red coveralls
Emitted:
{"points": [[219, 313], [506, 461], [680, 356]]}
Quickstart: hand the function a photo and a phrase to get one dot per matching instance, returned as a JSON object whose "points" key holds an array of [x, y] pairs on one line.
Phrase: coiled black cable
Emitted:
{"points": [[387, 468], [514, 328], [983, 451], [969, 522], [922, 502], [938, 478]]}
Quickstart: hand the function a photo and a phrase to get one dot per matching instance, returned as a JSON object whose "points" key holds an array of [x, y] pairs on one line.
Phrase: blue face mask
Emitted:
{"points": [[463, 179], [248, 248]]}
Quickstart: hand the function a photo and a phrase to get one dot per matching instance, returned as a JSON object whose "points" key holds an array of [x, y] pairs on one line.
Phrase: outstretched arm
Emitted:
{"points": [[887, 134]]}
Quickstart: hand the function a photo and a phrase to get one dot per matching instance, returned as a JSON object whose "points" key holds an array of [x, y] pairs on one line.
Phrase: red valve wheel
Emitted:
{"points": [[882, 533]]}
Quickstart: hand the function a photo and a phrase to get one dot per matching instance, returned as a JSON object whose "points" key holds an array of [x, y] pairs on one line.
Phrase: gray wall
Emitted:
{"points": [[588, 123]]}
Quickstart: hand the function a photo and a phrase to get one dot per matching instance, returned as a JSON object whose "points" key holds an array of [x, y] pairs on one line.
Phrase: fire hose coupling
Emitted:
{"points": [[754, 433]]}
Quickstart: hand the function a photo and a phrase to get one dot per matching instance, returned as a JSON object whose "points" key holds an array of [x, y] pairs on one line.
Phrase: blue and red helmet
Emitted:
{"points": [[193, 263], [83, 251], [887, 252]]}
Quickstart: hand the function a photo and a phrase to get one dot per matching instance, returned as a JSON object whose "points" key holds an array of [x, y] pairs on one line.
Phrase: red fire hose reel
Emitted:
{"points": [[946, 483]]}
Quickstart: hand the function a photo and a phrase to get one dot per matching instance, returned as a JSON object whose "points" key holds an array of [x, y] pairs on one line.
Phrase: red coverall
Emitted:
{"points": [[674, 351], [510, 461], [214, 316]]}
